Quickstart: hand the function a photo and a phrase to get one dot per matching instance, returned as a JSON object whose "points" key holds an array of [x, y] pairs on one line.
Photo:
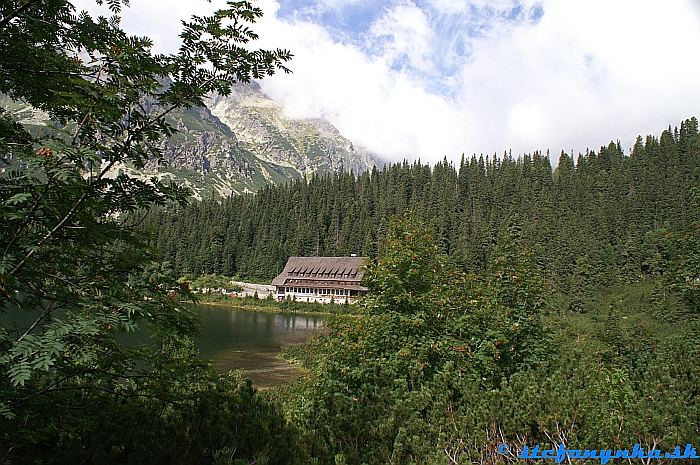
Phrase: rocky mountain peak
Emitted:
{"points": [[241, 142]]}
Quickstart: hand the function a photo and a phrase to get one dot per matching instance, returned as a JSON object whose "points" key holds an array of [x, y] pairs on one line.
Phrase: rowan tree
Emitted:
{"points": [[70, 242]]}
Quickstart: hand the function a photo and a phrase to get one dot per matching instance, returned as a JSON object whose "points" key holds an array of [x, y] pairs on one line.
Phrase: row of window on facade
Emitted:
{"points": [[308, 290]]}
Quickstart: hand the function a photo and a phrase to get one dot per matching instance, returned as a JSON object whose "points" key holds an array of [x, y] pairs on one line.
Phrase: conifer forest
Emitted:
{"points": [[512, 303], [515, 302], [598, 218]]}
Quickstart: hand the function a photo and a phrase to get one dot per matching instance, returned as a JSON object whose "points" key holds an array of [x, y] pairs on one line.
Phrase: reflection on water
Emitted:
{"points": [[240, 339], [231, 338]]}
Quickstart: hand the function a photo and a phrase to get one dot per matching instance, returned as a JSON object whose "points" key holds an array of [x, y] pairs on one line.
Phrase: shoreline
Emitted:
{"points": [[239, 303], [269, 368]]}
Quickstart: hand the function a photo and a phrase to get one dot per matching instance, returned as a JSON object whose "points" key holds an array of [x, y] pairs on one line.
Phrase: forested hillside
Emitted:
{"points": [[462, 351], [512, 306], [597, 219]]}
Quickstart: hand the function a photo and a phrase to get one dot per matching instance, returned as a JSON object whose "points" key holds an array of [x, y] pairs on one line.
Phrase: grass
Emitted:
{"points": [[272, 305]]}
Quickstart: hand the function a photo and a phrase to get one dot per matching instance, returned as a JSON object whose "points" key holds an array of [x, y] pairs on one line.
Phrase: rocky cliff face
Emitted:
{"points": [[240, 143], [308, 146]]}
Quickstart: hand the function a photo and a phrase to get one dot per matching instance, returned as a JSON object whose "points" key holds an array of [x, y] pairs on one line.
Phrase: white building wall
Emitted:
{"points": [[312, 294]]}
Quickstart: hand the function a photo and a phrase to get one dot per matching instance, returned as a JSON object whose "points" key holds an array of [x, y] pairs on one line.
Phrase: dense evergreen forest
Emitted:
{"points": [[509, 305], [596, 219]]}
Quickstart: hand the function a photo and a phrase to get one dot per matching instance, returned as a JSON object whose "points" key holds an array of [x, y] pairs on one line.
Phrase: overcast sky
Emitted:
{"points": [[433, 78]]}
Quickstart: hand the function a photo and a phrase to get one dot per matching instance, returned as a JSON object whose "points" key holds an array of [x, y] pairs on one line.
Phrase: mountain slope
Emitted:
{"points": [[309, 146], [237, 144]]}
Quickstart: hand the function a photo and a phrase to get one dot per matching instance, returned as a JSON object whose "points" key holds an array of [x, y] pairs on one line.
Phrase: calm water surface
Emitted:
{"points": [[232, 339], [241, 339]]}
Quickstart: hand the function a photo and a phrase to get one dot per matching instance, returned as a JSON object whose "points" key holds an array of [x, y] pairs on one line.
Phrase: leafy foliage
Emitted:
{"points": [[71, 247], [438, 371], [457, 348], [212, 282], [180, 411], [376, 373]]}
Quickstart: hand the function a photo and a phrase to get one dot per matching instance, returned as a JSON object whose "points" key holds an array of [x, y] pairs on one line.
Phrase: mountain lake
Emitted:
{"points": [[232, 339], [242, 339]]}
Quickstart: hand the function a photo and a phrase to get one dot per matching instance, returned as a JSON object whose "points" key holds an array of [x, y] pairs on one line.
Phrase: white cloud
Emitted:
{"points": [[158, 19], [371, 104], [449, 6], [586, 73], [403, 33]]}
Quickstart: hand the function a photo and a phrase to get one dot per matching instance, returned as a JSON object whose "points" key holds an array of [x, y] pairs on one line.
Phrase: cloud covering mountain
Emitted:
{"points": [[434, 78]]}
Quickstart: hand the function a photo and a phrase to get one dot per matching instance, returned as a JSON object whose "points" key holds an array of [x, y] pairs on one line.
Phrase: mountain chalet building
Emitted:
{"points": [[320, 279]]}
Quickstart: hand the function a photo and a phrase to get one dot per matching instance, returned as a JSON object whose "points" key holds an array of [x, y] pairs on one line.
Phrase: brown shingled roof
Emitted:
{"points": [[322, 269]]}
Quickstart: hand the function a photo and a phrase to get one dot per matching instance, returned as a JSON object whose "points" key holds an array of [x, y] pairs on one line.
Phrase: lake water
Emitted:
{"points": [[241, 339], [233, 339]]}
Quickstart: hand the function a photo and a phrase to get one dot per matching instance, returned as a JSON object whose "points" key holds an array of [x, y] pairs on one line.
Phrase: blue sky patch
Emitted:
{"points": [[455, 34], [536, 12]]}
